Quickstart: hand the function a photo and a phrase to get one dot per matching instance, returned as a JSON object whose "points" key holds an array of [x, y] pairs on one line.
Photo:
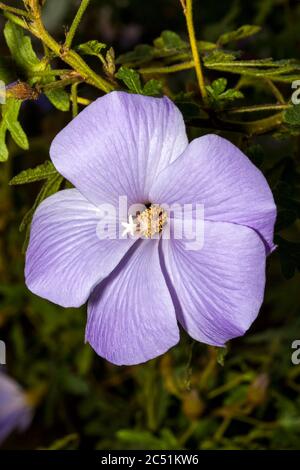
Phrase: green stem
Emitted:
{"points": [[257, 108], [276, 92], [168, 69], [16, 11], [188, 11], [15, 19], [50, 72], [80, 12], [74, 98], [69, 56], [61, 83]]}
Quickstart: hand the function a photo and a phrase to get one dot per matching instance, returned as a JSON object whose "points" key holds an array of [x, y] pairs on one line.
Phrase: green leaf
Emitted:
{"points": [[59, 98], [20, 47], [240, 33], [292, 115], [131, 78], [153, 88], [170, 40], [3, 148], [91, 48], [218, 93], [217, 56], [10, 112], [40, 172], [141, 54], [219, 85]]}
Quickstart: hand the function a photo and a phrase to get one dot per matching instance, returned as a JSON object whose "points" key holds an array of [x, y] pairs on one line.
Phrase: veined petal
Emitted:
{"points": [[215, 173], [131, 317], [219, 288], [66, 258], [118, 145]]}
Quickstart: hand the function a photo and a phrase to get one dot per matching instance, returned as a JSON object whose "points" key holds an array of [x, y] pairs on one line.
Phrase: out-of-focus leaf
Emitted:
{"points": [[222, 352], [40, 172], [65, 443], [170, 40], [292, 115], [141, 54], [240, 33]]}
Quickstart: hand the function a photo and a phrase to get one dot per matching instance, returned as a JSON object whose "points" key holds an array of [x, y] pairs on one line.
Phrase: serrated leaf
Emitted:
{"points": [[20, 47], [59, 98], [131, 78], [240, 33], [91, 48], [218, 93], [292, 115], [40, 172], [153, 88], [219, 85]]}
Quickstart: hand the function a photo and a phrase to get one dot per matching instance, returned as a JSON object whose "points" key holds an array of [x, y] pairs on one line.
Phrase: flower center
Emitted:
{"points": [[147, 223], [151, 221]]}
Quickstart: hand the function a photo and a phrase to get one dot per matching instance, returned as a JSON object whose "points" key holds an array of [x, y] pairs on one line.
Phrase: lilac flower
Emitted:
{"points": [[15, 413], [125, 144]]}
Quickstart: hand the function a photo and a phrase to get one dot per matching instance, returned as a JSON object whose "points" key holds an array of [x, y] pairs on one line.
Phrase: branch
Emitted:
{"points": [[188, 12]]}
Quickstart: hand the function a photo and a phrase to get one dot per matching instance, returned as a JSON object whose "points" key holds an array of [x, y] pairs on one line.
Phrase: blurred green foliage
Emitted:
{"points": [[194, 397]]}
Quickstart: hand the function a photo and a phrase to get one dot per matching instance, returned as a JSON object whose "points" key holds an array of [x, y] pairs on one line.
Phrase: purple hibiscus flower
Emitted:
{"points": [[138, 290], [15, 412]]}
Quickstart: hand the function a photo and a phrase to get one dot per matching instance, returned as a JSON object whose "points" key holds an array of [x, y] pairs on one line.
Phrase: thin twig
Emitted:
{"points": [[73, 28], [188, 11]]}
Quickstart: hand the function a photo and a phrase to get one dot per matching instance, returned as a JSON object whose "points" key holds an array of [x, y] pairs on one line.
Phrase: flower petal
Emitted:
{"points": [[215, 173], [66, 258], [15, 412], [131, 317], [219, 288], [117, 146]]}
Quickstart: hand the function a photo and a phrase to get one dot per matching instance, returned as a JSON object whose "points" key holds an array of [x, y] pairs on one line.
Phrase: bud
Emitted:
{"points": [[21, 91]]}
